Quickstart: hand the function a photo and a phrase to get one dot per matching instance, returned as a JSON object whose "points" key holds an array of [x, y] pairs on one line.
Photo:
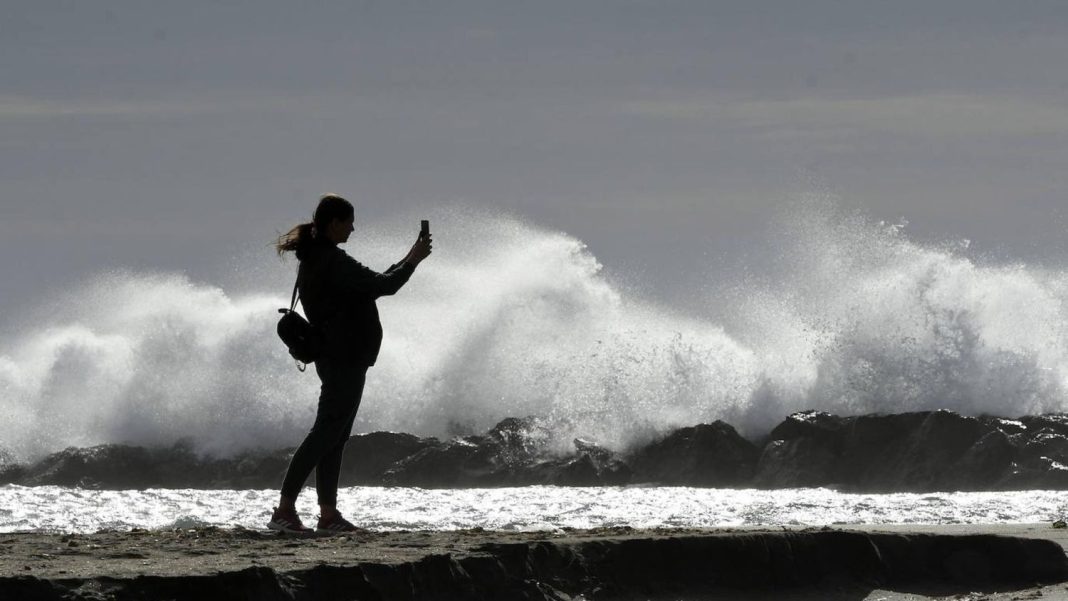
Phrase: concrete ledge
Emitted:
{"points": [[206, 564]]}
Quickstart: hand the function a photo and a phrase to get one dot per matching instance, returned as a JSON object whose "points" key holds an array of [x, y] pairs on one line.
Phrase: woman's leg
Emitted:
{"points": [[328, 470], [342, 385]]}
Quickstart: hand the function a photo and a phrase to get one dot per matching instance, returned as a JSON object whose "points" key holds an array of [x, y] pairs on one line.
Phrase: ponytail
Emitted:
{"points": [[331, 207], [296, 238]]}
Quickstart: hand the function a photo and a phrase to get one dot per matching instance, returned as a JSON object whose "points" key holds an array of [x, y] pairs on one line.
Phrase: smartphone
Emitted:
{"points": [[424, 228]]}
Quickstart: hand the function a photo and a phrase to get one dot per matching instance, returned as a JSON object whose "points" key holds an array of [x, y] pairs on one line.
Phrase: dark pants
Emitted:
{"points": [[321, 450]]}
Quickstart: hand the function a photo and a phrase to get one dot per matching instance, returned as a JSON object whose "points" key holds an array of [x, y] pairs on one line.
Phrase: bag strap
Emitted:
{"points": [[293, 299], [296, 285], [293, 307]]}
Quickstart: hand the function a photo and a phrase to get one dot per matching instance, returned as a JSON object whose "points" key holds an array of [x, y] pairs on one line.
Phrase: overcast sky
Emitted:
{"points": [[173, 136]]}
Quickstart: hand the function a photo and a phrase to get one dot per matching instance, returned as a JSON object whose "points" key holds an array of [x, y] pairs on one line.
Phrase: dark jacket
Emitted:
{"points": [[338, 294]]}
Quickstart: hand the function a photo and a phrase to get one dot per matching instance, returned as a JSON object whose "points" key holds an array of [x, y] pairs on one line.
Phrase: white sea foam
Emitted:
{"points": [[508, 319], [49, 508]]}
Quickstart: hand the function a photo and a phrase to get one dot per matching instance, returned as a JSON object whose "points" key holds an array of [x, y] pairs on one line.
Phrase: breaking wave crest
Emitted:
{"points": [[508, 319]]}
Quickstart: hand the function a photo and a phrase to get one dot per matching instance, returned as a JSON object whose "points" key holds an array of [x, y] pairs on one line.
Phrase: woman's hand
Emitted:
{"points": [[420, 250]]}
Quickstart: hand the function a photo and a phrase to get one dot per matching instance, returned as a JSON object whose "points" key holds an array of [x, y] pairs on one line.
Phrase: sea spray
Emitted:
{"points": [[508, 319], [861, 319], [147, 359]]}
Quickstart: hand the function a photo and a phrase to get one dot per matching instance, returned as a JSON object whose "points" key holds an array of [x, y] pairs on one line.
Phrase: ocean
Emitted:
{"points": [[541, 508]]}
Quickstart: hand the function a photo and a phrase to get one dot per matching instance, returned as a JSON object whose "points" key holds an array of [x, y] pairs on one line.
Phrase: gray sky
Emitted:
{"points": [[666, 135]]}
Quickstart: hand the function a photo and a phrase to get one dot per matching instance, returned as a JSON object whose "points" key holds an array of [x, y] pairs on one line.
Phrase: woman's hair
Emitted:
{"points": [[331, 207]]}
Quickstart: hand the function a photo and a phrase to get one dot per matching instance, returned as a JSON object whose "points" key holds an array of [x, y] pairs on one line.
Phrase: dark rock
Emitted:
{"points": [[803, 451], [1039, 473], [704, 455], [809, 424], [1045, 443], [921, 451], [513, 453], [907, 451], [368, 456], [802, 462], [1054, 422], [1041, 459], [592, 466], [251, 469], [517, 440], [118, 466], [609, 468], [454, 463], [1009, 427], [122, 466], [581, 471], [10, 470], [984, 464]]}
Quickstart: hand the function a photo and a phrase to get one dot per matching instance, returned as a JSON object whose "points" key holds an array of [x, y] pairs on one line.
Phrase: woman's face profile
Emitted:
{"points": [[339, 230]]}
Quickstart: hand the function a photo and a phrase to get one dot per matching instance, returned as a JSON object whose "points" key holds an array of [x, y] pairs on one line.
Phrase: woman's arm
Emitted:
{"points": [[362, 282], [355, 280]]}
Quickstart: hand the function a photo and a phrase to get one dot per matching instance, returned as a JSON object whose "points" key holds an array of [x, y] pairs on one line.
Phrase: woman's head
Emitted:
{"points": [[333, 221], [332, 208]]}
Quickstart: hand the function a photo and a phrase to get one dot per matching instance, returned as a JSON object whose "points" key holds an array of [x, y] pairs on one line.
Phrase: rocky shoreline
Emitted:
{"points": [[908, 452], [212, 563]]}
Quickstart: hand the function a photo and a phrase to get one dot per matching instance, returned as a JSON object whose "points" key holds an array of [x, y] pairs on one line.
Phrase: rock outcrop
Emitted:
{"points": [[704, 455], [917, 452], [513, 453]]}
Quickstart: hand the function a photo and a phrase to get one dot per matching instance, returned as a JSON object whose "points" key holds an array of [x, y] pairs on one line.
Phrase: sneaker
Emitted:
{"points": [[287, 521], [338, 525]]}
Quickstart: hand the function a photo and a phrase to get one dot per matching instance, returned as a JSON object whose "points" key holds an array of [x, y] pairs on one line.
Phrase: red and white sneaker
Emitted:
{"points": [[287, 521], [336, 525]]}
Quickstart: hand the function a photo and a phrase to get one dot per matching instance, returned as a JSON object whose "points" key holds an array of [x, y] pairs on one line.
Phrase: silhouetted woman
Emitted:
{"points": [[338, 295]]}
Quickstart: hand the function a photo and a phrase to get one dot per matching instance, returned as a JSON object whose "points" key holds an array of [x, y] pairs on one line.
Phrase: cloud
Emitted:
{"points": [[929, 115]]}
